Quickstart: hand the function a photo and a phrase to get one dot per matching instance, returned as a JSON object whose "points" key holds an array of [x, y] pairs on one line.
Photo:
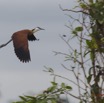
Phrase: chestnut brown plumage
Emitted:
{"points": [[20, 42]]}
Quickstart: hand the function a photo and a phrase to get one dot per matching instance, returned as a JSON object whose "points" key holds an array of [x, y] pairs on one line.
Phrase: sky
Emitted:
{"points": [[17, 78]]}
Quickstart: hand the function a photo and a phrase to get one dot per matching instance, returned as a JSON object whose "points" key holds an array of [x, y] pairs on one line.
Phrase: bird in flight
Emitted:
{"points": [[20, 42]]}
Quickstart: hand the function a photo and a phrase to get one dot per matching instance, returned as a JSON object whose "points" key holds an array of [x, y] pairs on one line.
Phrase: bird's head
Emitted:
{"points": [[37, 29]]}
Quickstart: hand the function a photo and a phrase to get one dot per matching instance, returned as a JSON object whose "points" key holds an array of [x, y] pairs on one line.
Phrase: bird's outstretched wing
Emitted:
{"points": [[20, 42]]}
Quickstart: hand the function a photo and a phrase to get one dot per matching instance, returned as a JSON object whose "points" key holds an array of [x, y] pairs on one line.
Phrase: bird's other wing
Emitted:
{"points": [[21, 49], [31, 37]]}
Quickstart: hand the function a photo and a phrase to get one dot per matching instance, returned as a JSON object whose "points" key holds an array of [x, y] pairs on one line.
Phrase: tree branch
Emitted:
{"points": [[73, 10]]}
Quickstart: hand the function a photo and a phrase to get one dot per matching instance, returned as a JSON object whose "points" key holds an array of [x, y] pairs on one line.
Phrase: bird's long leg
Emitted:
{"points": [[5, 43]]}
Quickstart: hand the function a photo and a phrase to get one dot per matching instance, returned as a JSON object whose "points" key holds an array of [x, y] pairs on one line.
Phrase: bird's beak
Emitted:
{"points": [[41, 29]]}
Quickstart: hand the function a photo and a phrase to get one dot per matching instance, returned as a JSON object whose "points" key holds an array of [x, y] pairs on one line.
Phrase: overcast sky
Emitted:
{"points": [[17, 78]]}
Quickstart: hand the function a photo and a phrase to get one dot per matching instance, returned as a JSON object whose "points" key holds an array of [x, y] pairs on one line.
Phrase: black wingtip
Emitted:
{"points": [[22, 55]]}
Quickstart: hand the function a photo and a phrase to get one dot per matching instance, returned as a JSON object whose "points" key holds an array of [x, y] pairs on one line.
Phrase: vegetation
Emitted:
{"points": [[85, 57], [51, 94]]}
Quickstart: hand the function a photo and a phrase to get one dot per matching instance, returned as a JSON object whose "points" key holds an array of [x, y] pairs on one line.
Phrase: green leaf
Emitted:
{"points": [[92, 44], [74, 32], [53, 100], [41, 96], [31, 97], [31, 101], [81, 101], [62, 92], [54, 83], [91, 1], [92, 55], [75, 53], [95, 88], [63, 85], [79, 29], [23, 98], [51, 89], [69, 87], [84, 6], [89, 78], [88, 42]]}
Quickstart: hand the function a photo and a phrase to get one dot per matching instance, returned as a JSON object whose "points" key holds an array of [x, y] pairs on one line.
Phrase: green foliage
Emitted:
{"points": [[97, 11], [84, 6], [79, 29], [89, 78], [51, 94]]}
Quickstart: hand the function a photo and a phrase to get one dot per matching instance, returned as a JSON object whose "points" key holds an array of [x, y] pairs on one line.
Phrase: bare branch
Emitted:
{"points": [[68, 80], [73, 10], [67, 43], [72, 95]]}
